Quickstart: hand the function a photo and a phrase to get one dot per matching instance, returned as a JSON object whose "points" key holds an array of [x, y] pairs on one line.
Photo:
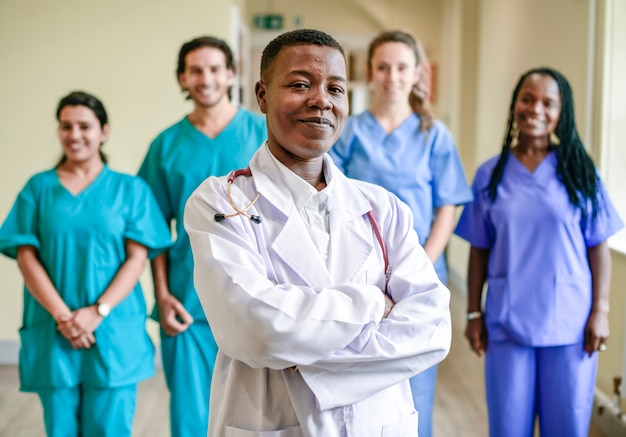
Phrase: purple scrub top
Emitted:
{"points": [[539, 280]]}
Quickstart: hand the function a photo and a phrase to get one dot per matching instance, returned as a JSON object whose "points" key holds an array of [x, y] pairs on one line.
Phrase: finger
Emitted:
{"points": [[183, 314]]}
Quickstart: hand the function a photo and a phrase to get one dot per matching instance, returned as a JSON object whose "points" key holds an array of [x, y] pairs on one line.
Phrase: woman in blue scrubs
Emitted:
{"points": [[397, 143], [81, 234], [538, 227]]}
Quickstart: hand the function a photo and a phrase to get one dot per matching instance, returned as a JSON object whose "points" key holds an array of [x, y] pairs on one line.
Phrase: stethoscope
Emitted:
{"points": [[257, 219], [231, 177]]}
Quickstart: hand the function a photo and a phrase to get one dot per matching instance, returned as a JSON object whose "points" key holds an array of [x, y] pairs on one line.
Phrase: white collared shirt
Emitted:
{"points": [[312, 205]]}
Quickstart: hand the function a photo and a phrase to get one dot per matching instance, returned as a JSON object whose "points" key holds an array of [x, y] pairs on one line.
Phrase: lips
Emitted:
{"points": [[318, 120]]}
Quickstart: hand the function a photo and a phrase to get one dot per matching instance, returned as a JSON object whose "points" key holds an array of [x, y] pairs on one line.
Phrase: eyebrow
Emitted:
{"points": [[307, 73]]}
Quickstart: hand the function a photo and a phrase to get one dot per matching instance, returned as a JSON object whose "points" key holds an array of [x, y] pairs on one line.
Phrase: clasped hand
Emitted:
{"points": [[78, 327]]}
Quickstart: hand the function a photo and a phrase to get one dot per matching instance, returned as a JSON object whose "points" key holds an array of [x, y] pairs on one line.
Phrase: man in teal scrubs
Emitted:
{"points": [[215, 138]]}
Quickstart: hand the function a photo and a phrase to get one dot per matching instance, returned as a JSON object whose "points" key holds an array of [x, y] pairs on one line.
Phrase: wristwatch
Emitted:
{"points": [[473, 315], [103, 309]]}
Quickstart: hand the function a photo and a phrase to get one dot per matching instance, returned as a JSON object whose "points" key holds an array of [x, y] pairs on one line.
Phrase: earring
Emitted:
{"points": [[514, 134], [554, 140]]}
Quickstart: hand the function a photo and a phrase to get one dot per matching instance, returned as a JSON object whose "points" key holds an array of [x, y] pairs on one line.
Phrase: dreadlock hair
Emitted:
{"points": [[575, 169], [419, 99]]}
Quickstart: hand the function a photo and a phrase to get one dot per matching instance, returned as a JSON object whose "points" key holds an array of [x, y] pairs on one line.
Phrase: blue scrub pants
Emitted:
{"points": [[554, 383], [89, 411], [188, 363], [423, 390]]}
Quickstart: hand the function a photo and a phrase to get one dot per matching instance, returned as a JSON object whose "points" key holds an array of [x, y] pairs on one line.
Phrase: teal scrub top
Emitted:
{"points": [[80, 240], [179, 159]]}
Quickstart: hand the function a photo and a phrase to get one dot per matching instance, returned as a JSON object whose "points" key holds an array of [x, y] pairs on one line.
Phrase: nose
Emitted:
{"points": [[319, 98], [75, 132]]}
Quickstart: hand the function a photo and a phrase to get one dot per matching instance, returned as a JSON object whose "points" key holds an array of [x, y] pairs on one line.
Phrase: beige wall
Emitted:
{"points": [[122, 51]]}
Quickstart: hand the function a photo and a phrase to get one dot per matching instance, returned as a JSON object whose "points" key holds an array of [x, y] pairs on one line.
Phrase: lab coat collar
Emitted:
{"points": [[347, 206], [345, 197]]}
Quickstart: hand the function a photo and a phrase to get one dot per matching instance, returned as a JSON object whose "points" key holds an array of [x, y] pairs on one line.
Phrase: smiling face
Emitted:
{"points": [[393, 71], [304, 96], [537, 108], [81, 134], [206, 77]]}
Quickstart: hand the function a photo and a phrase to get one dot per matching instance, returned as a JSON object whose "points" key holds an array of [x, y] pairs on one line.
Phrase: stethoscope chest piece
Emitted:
{"points": [[219, 217]]}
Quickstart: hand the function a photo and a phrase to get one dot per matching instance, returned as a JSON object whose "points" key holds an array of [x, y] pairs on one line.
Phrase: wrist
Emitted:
{"points": [[103, 309], [473, 315]]}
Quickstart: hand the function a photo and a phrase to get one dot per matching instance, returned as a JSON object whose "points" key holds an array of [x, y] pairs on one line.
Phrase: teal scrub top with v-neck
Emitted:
{"points": [[179, 159], [80, 239]]}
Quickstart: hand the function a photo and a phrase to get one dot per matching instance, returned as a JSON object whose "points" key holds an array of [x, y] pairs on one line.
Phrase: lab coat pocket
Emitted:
{"points": [[293, 431], [47, 359], [405, 427]]}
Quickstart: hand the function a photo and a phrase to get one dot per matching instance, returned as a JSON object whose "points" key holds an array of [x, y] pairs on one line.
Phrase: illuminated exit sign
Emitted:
{"points": [[268, 21]]}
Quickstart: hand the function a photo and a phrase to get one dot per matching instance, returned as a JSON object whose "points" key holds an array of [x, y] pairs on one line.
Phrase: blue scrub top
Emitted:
{"points": [[80, 241], [179, 159], [539, 280], [422, 168]]}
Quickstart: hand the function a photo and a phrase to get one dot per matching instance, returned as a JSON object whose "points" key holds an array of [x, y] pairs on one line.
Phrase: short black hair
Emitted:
{"points": [[297, 37]]}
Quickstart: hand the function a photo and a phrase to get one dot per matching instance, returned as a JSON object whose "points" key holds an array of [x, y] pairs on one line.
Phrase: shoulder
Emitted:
{"points": [[169, 132], [356, 126], [484, 170], [440, 134], [250, 116], [249, 123], [41, 179], [126, 181]]}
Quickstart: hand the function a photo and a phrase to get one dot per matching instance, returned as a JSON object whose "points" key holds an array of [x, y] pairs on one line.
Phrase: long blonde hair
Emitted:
{"points": [[419, 99]]}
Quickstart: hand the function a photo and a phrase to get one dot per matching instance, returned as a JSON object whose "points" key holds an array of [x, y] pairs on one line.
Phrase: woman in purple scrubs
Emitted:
{"points": [[538, 227]]}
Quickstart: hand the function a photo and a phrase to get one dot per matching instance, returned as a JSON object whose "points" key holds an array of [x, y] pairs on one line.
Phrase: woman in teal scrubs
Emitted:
{"points": [[81, 234]]}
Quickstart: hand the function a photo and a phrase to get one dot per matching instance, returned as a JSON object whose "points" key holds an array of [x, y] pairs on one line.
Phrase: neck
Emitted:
{"points": [[83, 169], [217, 115], [390, 115], [534, 146]]}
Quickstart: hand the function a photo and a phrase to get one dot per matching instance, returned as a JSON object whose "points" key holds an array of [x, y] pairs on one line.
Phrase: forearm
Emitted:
{"points": [[159, 276], [600, 266], [476, 277], [39, 284], [127, 276], [440, 232]]}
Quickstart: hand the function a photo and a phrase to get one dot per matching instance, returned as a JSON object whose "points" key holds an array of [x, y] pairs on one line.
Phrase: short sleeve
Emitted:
{"points": [[474, 224], [152, 173], [450, 186], [599, 227], [146, 224], [20, 226]]}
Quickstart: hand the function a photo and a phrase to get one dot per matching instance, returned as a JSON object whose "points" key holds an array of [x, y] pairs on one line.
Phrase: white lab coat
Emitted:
{"points": [[303, 347]]}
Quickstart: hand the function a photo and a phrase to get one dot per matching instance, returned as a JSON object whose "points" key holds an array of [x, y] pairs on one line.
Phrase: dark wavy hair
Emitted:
{"points": [[81, 98], [575, 168], [201, 42]]}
